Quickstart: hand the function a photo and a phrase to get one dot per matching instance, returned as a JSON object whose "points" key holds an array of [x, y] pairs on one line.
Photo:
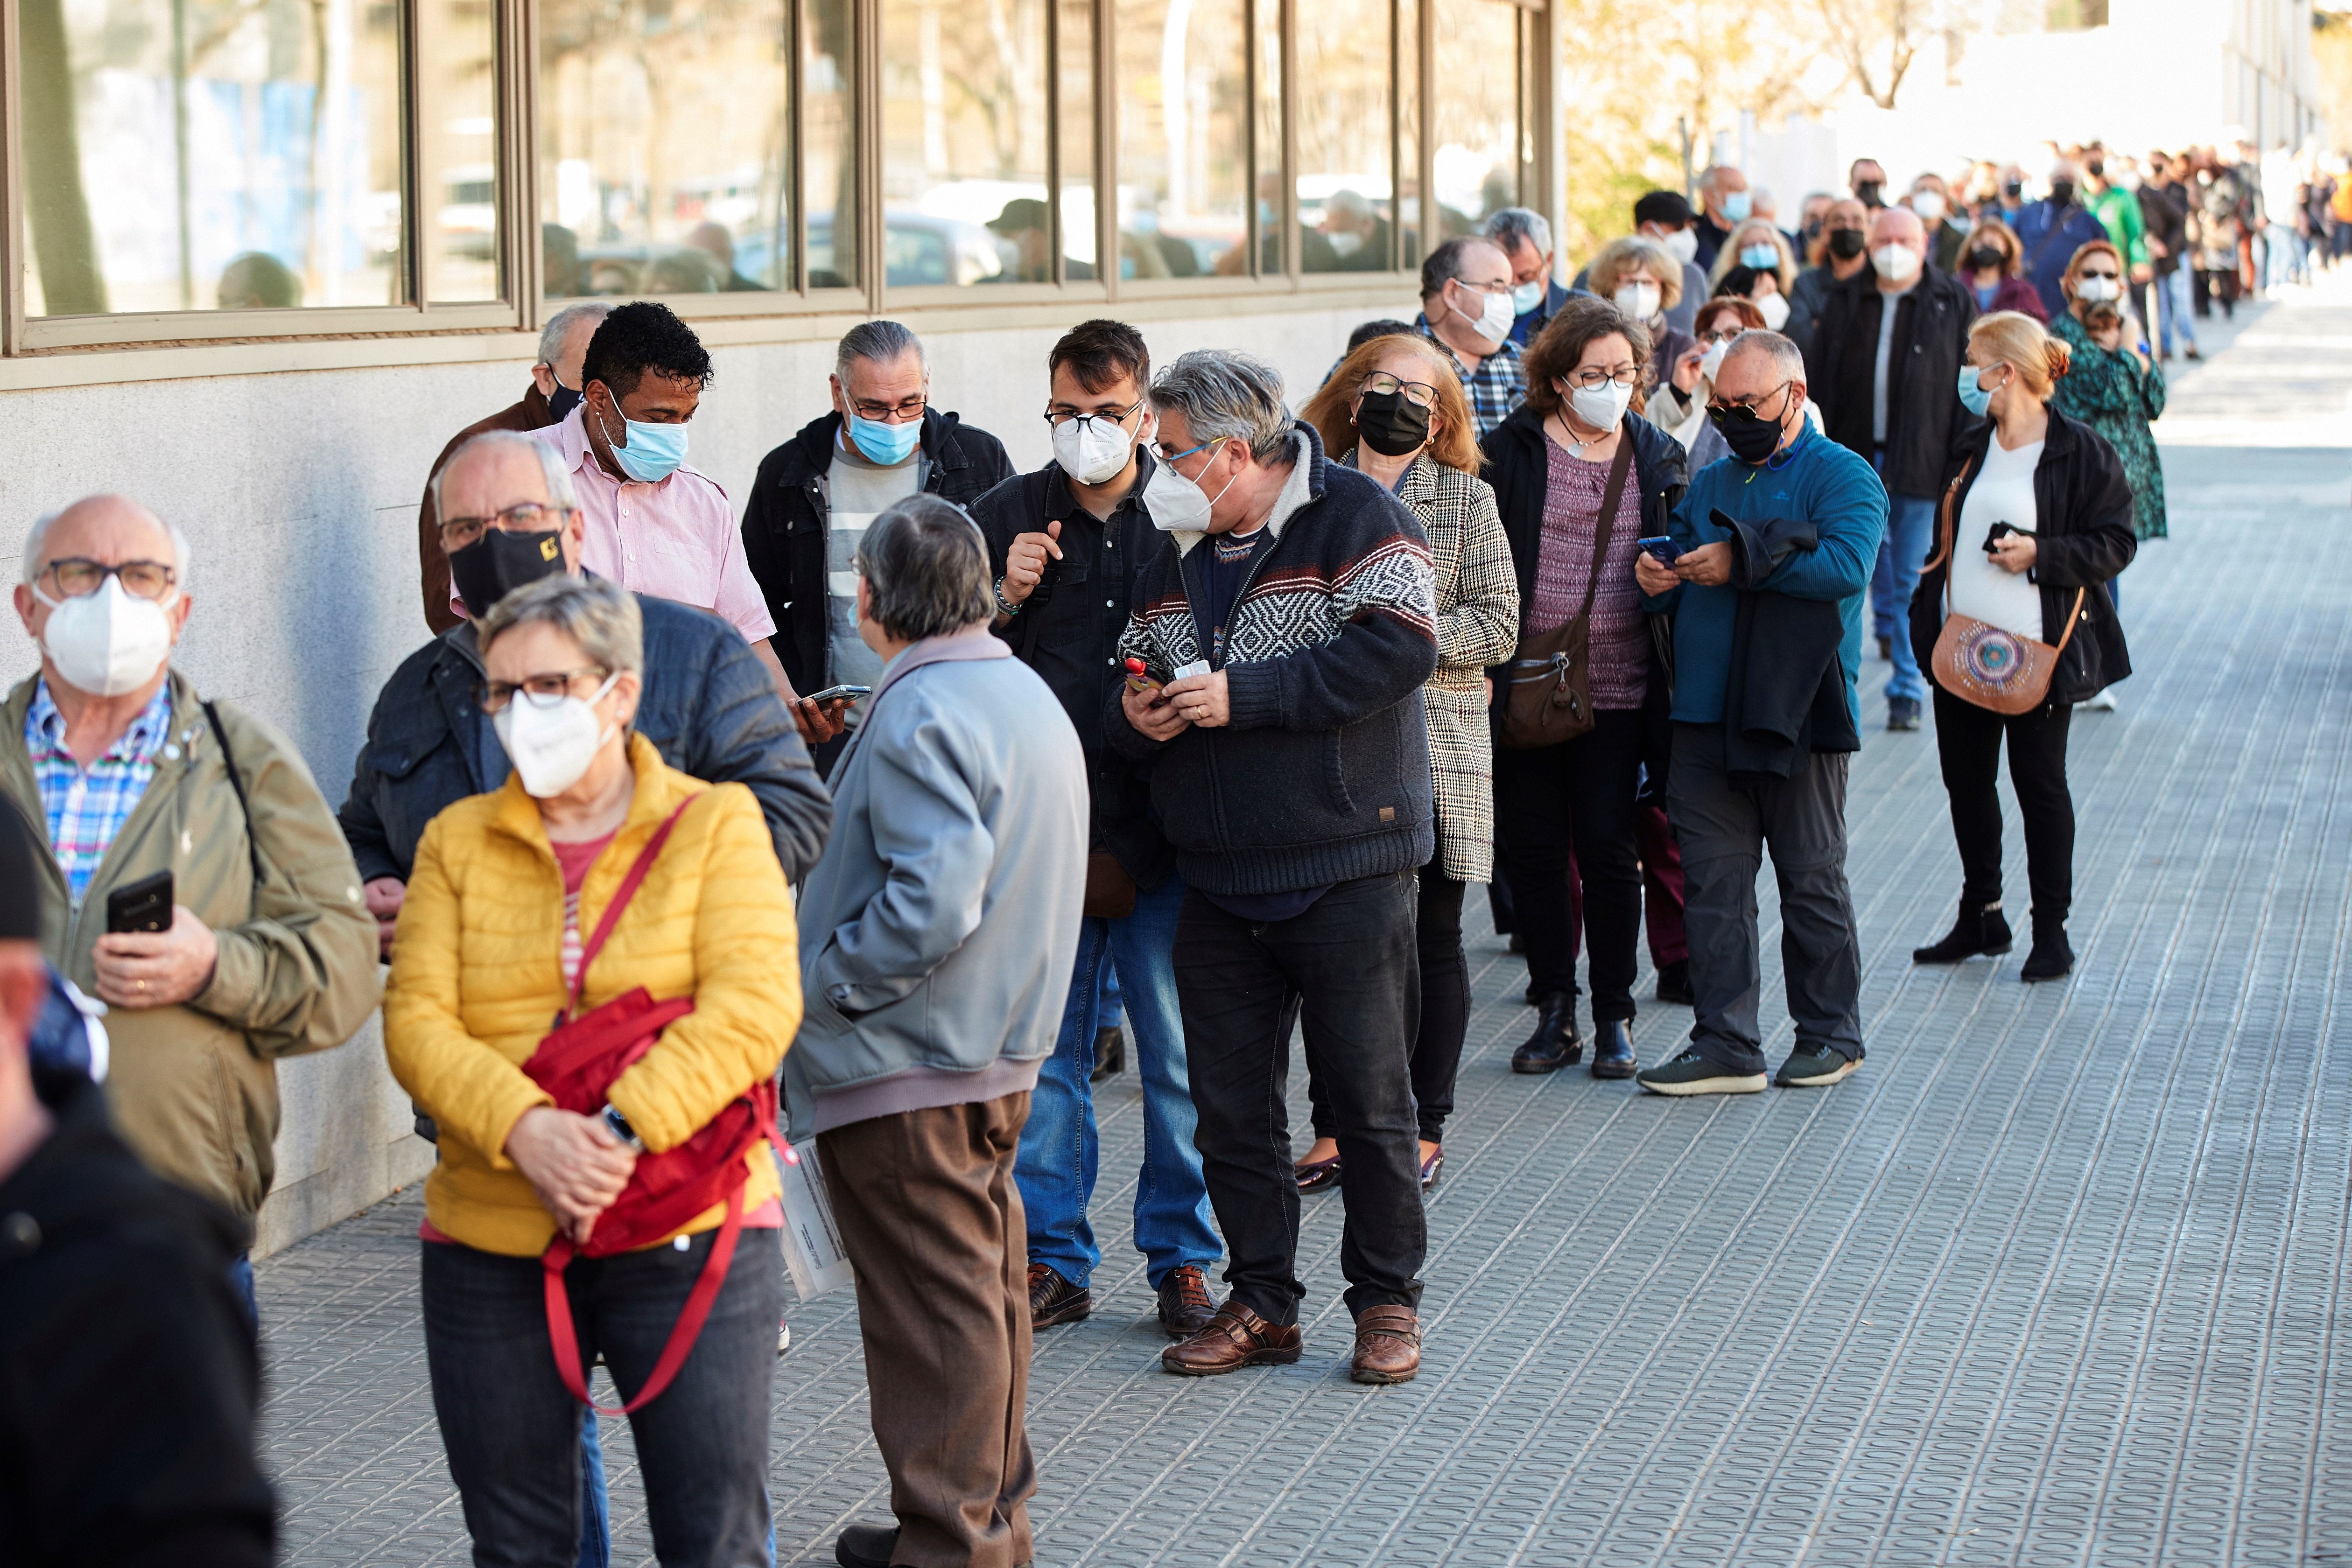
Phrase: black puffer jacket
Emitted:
{"points": [[1924, 416], [784, 524], [2083, 538]]}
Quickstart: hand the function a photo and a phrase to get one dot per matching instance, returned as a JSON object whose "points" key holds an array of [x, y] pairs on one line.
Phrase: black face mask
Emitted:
{"points": [[1846, 244], [1390, 425], [2095, 169], [2014, 190], [561, 402], [1751, 437], [499, 562], [1867, 193], [1986, 257], [2062, 192]]}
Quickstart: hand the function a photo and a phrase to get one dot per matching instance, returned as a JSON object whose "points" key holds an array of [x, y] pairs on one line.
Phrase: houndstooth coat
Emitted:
{"points": [[1477, 625]]}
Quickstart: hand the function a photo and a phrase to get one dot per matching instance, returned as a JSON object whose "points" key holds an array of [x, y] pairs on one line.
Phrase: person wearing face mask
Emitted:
{"points": [[1988, 267], [1064, 544], [1759, 253], [1883, 363], [1843, 251], [1639, 279], [882, 441], [1867, 180], [2008, 194], [2037, 520], [1678, 406], [1947, 226], [266, 949], [1466, 309], [1766, 604], [1665, 219], [2118, 213], [1553, 465], [553, 394], [2051, 230], [1525, 237], [1392, 413], [1724, 204], [593, 836]]}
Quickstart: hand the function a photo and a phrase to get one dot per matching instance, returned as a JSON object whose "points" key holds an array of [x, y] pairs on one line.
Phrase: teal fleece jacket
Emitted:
{"points": [[1816, 480]]}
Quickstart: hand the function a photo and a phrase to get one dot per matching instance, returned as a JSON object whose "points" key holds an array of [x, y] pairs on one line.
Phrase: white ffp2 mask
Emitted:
{"points": [[1091, 450], [106, 643], [551, 748], [1177, 505]]}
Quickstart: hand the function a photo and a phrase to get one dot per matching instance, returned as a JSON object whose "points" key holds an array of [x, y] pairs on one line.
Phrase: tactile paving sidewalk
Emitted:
{"points": [[2055, 1280]]}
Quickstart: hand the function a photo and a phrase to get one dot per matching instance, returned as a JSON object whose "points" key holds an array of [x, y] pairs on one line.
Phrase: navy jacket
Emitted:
{"points": [[2050, 236], [709, 706]]}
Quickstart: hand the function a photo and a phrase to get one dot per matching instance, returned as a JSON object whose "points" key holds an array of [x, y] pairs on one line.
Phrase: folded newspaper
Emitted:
{"points": [[812, 1248]]}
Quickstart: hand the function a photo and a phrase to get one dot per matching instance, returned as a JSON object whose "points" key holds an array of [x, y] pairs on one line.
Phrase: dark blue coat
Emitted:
{"points": [[709, 706], [2050, 235]]}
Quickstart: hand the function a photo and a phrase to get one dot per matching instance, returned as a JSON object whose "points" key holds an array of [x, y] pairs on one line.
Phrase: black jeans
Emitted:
{"points": [[1445, 1010], [1969, 739], [1347, 966], [1576, 797], [512, 1430]]}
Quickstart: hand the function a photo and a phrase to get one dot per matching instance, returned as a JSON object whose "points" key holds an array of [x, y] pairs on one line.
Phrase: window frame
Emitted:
{"points": [[522, 308]]}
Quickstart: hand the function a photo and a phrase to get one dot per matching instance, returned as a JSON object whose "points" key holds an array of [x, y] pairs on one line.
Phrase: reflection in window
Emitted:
{"points": [[829, 158], [1346, 193], [1182, 136], [1477, 162], [457, 144], [200, 154], [963, 143], [1074, 103], [664, 141]]}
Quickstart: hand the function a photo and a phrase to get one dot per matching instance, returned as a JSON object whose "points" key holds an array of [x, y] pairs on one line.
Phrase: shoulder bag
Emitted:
{"points": [[1549, 695], [1990, 665], [576, 1064]]}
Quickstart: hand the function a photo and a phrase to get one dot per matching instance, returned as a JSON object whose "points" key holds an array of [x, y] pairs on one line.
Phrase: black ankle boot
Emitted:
{"points": [[1612, 1050], [1554, 1044], [2051, 958], [1980, 928]]}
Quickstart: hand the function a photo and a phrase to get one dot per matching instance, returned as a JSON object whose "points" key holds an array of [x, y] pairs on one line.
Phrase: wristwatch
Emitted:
{"points": [[1003, 605], [623, 1131]]}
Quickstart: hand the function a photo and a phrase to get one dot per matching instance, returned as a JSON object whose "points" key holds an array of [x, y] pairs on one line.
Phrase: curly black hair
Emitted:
{"points": [[641, 336]]}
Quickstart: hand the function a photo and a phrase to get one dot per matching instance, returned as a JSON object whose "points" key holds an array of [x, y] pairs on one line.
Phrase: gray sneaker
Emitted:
{"points": [[1815, 1067], [1692, 1074]]}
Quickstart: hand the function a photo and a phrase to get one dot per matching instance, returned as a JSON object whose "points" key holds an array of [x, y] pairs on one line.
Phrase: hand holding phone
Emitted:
{"points": [[142, 905], [849, 694], [1138, 677], [1661, 548]]}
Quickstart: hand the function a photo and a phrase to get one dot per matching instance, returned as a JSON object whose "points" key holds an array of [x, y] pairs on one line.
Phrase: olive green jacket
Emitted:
{"points": [[193, 1088]]}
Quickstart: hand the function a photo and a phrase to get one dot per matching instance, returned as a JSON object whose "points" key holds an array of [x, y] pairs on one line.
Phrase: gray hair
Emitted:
{"points": [[1785, 357], [600, 616], [550, 466], [37, 537], [879, 341], [926, 568], [1224, 395], [1512, 225], [559, 325]]}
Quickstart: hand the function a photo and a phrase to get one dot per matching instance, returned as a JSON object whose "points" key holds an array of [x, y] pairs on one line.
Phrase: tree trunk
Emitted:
{"points": [[65, 247]]}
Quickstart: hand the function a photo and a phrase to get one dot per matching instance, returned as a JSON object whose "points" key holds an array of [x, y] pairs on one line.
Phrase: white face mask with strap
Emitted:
{"points": [[552, 748], [108, 644]]}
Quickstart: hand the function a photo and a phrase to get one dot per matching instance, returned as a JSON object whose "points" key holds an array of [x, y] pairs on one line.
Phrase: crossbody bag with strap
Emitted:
{"points": [[1990, 665], [1549, 695], [577, 1064]]}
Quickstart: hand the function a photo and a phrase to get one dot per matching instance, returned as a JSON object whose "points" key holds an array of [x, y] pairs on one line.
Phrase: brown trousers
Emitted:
{"points": [[932, 1223]]}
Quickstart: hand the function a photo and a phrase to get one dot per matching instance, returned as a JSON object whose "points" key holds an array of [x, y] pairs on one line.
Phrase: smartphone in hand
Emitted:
{"points": [[1661, 548], [142, 905], [830, 692]]}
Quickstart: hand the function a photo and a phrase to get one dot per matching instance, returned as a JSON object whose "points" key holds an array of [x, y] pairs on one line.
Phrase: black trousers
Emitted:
{"points": [[1347, 966], [1969, 739], [1576, 797], [1444, 1011]]}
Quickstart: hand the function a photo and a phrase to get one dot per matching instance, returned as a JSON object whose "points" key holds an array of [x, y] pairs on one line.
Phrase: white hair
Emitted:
{"points": [[559, 327], [550, 466], [183, 557]]}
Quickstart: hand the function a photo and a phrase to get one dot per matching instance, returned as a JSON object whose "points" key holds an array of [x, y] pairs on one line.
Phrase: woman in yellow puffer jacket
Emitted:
{"points": [[508, 886]]}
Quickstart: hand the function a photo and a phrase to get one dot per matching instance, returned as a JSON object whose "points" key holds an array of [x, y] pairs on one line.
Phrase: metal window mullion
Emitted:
{"points": [[1106, 134], [410, 73], [1293, 254], [12, 187], [796, 142], [865, 135], [523, 269], [1055, 269], [1426, 63]]}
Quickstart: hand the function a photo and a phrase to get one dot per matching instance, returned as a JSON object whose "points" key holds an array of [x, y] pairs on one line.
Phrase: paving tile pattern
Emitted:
{"points": [[2053, 1280]]}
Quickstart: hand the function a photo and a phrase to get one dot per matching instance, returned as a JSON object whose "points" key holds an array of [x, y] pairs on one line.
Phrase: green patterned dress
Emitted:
{"points": [[2106, 390]]}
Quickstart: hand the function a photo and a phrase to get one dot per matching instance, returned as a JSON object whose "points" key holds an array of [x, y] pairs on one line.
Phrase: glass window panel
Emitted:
{"points": [[1346, 189], [1076, 105], [457, 147], [202, 154], [829, 164], [1184, 150], [665, 138], [963, 143], [1475, 165], [1408, 154]]}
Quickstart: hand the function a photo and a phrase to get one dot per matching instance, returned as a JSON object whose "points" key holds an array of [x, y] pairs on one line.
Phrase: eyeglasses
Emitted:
{"points": [[2110, 276], [1747, 407], [542, 691], [1592, 378], [898, 413], [523, 518], [1167, 456], [1722, 334], [1058, 417], [77, 576], [1420, 394]]}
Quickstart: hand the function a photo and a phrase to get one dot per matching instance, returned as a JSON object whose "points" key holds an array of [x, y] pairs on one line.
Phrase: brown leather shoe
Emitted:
{"points": [[1237, 1337], [1185, 1304], [1054, 1300], [1387, 1345]]}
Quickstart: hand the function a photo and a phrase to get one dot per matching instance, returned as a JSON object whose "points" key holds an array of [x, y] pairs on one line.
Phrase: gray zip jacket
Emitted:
{"points": [[939, 932]]}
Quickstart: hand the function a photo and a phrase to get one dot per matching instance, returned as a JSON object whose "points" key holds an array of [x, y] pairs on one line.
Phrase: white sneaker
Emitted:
{"points": [[2103, 703], [784, 1338]]}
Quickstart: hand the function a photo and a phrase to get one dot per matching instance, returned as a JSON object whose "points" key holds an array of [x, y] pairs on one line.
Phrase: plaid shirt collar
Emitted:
{"points": [[141, 741], [1497, 386], [86, 807]]}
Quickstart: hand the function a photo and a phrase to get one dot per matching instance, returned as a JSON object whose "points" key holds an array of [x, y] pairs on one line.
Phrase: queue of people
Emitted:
{"points": [[694, 844]]}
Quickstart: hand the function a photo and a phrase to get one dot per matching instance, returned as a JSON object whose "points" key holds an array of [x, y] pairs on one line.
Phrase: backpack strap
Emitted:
{"points": [[638, 871], [236, 783]]}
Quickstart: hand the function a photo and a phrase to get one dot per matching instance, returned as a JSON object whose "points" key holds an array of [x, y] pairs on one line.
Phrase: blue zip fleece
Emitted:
{"points": [[1816, 480]]}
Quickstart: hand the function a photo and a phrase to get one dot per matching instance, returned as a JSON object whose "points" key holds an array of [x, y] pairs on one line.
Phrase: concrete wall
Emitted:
{"points": [[299, 492]]}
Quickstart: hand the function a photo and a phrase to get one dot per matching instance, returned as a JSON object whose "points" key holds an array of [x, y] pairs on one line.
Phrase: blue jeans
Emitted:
{"points": [[1059, 1149], [2172, 299], [1910, 533]]}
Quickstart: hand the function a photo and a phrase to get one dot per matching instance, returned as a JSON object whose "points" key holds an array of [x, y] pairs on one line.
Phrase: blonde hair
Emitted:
{"points": [[2016, 339], [1452, 437], [1620, 256]]}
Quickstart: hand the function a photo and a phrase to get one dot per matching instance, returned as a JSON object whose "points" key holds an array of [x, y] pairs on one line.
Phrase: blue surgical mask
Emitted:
{"points": [[1737, 205], [1973, 398], [1763, 258], [887, 445], [654, 451]]}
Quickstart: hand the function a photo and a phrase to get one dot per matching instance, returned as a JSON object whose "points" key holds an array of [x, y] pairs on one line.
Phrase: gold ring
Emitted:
{"points": [[143, 985]]}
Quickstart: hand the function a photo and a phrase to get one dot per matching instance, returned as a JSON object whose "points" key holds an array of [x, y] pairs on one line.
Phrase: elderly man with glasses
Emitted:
{"points": [[193, 879], [1467, 309]]}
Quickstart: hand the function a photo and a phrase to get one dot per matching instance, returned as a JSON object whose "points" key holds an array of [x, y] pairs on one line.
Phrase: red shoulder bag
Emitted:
{"points": [[577, 1064]]}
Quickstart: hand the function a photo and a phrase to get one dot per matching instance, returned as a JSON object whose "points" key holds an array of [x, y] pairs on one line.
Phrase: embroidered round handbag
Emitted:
{"points": [[1990, 665]]}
